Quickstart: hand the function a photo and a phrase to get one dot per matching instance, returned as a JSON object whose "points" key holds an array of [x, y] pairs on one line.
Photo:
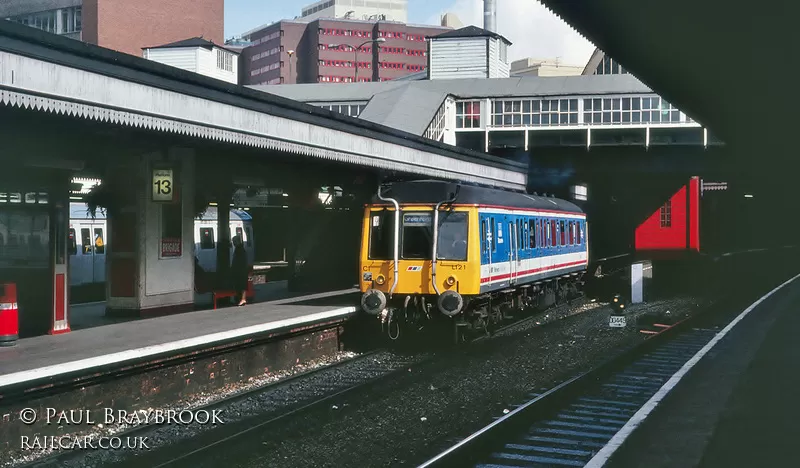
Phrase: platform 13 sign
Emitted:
{"points": [[163, 189]]}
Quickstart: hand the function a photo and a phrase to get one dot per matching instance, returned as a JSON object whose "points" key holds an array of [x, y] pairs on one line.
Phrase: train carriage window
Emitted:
{"points": [[86, 241], [494, 235], [99, 242], [563, 233], [578, 232], [553, 233], [381, 235], [532, 234], [72, 242], [571, 233], [207, 238], [239, 232]]}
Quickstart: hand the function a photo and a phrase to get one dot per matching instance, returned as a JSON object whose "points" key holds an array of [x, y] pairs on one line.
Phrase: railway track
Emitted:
{"points": [[569, 424], [309, 390], [277, 401]]}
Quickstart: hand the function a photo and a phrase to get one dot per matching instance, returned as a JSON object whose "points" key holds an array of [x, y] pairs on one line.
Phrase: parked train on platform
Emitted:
{"points": [[88, 241], [434, 250]]}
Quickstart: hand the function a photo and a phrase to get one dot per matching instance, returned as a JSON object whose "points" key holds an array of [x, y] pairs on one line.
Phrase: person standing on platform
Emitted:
{"points": [[239, 269]]}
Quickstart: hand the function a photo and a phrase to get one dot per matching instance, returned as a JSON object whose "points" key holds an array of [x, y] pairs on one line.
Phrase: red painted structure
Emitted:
{"points": [[674, 225], [9, 314]]}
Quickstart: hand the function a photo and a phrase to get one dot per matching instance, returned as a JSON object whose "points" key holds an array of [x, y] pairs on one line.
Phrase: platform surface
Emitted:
{"points": [[738, 407], [47, 356]]}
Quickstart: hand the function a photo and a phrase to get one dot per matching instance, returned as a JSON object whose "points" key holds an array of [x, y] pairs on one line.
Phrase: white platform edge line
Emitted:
{"points": [[122, 356], [602, 457]]}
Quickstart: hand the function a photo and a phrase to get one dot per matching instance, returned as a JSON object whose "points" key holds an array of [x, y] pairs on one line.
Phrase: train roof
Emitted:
{"points": [[428, 192], [81, 211]]}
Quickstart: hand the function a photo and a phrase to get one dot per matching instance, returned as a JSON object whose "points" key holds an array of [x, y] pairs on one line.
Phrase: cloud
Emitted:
{"points": [[532, 28]]}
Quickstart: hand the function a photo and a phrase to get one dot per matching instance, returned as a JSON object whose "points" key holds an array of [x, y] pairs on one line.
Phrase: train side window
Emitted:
{"points": [[531, 234], [578, 232], [520, 234], [99, 242], [86, 241], [72, 242], [484, 246], [494, 235], [249, 233], [240, 233], [553, 233], [207, 238], [561, 226], [571, 233]]}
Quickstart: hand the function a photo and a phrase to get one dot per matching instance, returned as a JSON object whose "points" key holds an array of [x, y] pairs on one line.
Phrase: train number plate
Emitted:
{"points": [[616, 321]]}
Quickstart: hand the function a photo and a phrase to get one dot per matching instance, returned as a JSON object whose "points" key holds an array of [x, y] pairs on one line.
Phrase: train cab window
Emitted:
{"points": [[381, 235], [72, 242], [417, 235], [452, 243], [99, 242], [249, 233], [86, 241], [207, 238]]}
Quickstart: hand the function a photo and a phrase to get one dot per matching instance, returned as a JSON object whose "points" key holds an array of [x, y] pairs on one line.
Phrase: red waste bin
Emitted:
{"points": [[9, 315]]}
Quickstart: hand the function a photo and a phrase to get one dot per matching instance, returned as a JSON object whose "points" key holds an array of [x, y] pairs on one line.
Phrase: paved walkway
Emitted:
{"points": [[739, 407]]}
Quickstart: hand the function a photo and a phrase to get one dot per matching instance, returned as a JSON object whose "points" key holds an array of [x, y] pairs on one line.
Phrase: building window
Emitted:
{"points": [[534, 112], [468, 114], [630, 110], [224, 60], [666, 214]]}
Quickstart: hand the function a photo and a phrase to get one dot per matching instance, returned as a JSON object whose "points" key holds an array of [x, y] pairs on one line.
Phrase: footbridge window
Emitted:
{"points": [[468, 114]]}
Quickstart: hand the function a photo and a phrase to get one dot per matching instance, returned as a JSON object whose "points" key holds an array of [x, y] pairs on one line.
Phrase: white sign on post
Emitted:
{"points": [[163, 189]]}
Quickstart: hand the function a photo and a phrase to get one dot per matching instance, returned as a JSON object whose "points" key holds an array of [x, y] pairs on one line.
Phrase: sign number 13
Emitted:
{"points": [[162, 185]]}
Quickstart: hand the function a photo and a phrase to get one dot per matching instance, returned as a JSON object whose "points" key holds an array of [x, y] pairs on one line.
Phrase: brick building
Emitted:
{"points": [[126, 26], [327, 50]]}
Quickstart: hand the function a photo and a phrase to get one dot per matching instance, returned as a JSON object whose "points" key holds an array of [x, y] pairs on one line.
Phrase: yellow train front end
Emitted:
{"points": [[404, 272]]}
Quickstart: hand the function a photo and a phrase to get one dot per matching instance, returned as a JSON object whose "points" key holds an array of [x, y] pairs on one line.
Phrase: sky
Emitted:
{"points": [[533, 30]]}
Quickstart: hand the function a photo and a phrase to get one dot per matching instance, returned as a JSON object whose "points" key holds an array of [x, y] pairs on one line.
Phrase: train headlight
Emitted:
{"points": [[451, 280], [380, 280], [373, 301], [450, 303]]}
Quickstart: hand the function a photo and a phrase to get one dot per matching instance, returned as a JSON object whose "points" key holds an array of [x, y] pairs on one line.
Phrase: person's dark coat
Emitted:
{"points": [[239, 267]]}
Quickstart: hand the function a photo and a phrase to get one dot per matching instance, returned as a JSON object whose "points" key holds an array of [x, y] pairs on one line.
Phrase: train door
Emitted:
{"points": [[513, 254], [99, 242], [82, 266]]}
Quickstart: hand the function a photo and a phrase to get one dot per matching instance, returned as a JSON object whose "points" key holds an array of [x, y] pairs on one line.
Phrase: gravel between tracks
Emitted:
{"points": [[407, 419]]}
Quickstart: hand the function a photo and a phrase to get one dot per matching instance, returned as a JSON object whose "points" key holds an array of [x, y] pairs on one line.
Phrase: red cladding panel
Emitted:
{"points": [[650, 235]]}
